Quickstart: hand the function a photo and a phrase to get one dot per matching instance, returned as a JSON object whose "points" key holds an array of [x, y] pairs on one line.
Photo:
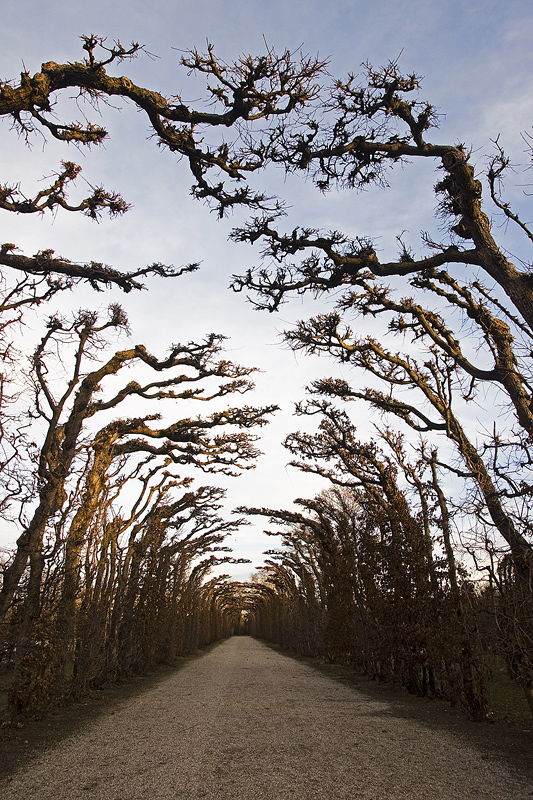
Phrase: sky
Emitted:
{"points": [[476, 60]]}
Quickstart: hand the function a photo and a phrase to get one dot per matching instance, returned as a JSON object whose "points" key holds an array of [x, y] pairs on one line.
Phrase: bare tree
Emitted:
{"points": [[370, 127], [251, 90], [438, 382]]}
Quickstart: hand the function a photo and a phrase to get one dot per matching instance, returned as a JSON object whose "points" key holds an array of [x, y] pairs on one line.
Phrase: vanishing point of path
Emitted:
{"points": [[244, 722]]}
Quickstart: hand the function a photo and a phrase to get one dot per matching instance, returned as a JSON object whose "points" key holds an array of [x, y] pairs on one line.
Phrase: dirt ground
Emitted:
{"points": [[245, 721]]}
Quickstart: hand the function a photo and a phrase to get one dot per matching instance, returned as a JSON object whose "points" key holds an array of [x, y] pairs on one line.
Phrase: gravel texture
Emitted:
{"points": [[245, 722]]}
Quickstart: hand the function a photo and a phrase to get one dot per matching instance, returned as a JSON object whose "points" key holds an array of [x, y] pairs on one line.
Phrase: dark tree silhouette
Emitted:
{"points": [[251, 90], [369, 128]]}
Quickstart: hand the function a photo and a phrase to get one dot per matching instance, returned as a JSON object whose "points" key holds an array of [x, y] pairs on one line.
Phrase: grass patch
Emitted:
{"points": [[6, 677], [506, 698]]}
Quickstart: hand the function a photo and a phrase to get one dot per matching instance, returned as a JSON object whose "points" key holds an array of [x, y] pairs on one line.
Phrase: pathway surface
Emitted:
{"points": [[247, 723]]}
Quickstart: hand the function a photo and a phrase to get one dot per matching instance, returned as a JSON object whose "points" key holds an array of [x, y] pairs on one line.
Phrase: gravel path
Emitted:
{"points": [[246, 723]]}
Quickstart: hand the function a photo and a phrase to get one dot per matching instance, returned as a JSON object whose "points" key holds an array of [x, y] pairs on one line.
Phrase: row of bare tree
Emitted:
{"points": [[374, 567], [109, 573], [114, 545], [440, 347], [404, 511], [358, 581]]}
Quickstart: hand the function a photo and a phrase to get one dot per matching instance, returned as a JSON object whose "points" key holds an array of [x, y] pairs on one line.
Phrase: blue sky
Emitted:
{"points": [[476, 59]]}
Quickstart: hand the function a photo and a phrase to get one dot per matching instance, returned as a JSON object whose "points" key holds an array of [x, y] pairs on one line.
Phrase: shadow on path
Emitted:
{"points": [[23, 741], [506, 741]]}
